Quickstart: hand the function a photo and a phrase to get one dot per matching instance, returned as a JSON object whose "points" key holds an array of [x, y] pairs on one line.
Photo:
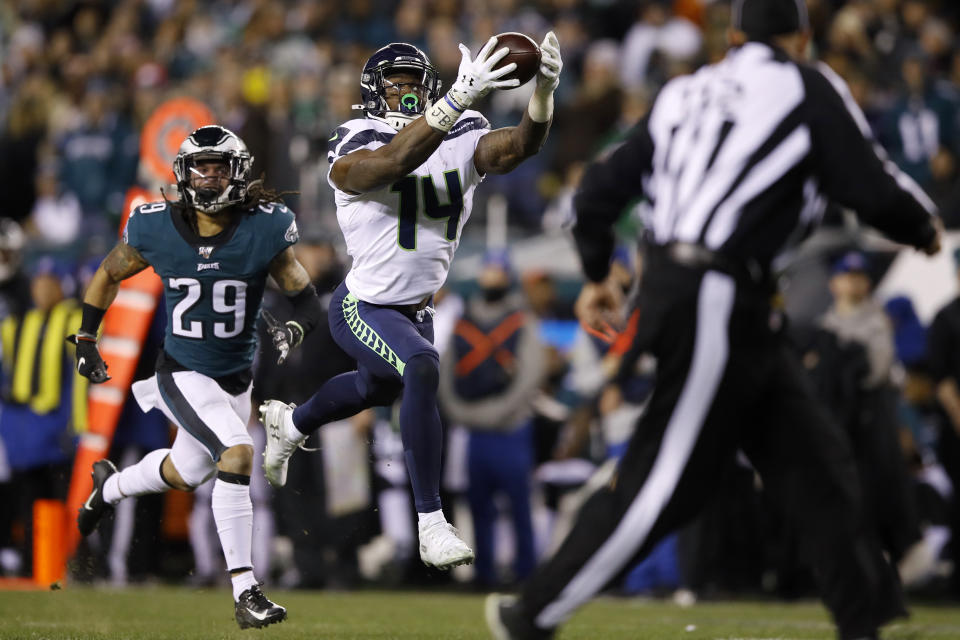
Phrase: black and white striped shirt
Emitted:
{"points": [[740, 158]]}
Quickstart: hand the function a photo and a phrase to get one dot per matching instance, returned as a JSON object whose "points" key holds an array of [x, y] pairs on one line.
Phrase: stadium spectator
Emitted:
{"points": [[131, 545], [14, 301], [21, 136], [98, 155], [488, 379], [856, 317], [889, 495], [920, 128], [593, 110], [540, 288], [313, 532], [56, 217], [44, 401], [909, 334], [14, 284], [656, 33], [944, 358]]}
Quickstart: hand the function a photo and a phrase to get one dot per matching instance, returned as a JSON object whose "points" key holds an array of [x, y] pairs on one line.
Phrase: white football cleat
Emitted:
{"points": [[279, 447], [441, 546]]}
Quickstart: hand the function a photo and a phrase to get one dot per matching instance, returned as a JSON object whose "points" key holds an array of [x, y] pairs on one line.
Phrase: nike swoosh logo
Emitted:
{"points": [[258, 616], [335, 136], [80, 363], [87, 505]]}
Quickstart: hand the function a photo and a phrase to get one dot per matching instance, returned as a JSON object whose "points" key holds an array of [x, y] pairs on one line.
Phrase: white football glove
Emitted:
{"points": [[477, 77], [548, 76]]}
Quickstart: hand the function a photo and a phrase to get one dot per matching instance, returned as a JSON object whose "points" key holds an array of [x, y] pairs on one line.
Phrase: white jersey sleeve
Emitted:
{"points": [[402, 237]]}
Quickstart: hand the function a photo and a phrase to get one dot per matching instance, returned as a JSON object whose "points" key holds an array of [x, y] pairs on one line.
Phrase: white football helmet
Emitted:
{"points": [[213, 142]]}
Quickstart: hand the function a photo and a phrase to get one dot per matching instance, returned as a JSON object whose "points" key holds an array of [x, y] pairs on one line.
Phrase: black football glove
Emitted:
{"points": [[89, 363], [285, 336]]}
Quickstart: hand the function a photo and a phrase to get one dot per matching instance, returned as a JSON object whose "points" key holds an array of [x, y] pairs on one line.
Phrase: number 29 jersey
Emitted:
{"points": [[402, 237], [213, 285]]}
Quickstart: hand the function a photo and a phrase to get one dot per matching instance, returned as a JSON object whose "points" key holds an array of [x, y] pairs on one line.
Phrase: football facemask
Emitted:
{"points": [[414, 96]]}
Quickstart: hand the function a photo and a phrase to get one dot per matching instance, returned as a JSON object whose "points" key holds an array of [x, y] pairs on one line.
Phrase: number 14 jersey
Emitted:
{"points": [[212, 285], [402, 237]]}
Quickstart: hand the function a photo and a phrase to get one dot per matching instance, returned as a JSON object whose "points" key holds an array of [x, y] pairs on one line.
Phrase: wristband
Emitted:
{"points": [[443, 114], [540, 108], [307, 310], [90, 320]]}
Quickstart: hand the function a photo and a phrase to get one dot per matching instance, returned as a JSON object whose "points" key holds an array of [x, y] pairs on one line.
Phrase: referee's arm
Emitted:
{"points": [[856, 172], [606, 188]]}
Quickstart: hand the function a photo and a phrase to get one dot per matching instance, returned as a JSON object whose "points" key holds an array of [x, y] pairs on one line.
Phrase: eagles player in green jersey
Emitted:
{"points": [[213, 249]]}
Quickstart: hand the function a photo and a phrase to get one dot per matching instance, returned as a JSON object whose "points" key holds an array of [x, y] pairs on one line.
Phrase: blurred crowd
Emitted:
{"points": [[79, 79], [534, 406]]}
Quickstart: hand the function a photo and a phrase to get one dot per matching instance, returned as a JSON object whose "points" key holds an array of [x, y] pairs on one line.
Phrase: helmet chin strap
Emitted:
{"points": [[396, 119], [409, 111], [213, 204]]}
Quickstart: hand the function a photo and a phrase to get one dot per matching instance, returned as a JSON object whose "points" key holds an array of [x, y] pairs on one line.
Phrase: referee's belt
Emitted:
{"points": [[698, 256]]}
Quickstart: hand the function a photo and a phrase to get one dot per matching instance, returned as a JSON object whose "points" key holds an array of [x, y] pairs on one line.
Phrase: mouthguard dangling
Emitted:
{"points": [[410, 103]]}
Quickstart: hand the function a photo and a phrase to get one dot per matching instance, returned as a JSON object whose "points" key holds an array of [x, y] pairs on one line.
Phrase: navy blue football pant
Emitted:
{"points": [[393, 347], [501, 463]]}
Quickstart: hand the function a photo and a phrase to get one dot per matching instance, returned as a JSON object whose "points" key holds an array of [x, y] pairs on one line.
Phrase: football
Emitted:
{"points": [[524, 51]]}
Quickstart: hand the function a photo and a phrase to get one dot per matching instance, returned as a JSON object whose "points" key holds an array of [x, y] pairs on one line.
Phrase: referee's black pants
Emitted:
{"points": [[724, 380]]}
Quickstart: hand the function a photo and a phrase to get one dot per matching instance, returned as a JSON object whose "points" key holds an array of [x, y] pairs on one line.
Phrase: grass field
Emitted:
{"points": [[161, 613]]}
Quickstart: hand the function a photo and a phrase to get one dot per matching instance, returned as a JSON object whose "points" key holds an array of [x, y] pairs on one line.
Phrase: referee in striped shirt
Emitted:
{"points": [[737, 161]]}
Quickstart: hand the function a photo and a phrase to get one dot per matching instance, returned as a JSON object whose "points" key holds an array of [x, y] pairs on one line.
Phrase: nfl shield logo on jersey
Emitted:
{"points": [[205, 251]]}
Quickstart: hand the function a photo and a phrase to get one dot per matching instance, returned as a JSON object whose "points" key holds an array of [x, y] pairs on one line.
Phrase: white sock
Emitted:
{"points": [[425, 520], [233, 512], [242, 582], [137, 480], [290, 430]]}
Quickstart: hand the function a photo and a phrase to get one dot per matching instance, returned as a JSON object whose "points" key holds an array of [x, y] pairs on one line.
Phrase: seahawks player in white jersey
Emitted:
{"points": [[213, 249], [404, 177]]}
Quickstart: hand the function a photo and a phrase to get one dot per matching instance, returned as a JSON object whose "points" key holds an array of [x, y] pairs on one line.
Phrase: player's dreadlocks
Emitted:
{"points": [[257, 193]]}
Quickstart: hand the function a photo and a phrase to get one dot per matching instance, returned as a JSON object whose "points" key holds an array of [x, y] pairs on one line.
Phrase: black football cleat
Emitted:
{"points": [[254, 609], [505, 620], [93, 509]]}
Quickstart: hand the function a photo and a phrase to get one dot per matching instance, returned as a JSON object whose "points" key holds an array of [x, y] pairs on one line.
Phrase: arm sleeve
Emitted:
{"points": [[855, 171], [307, 309], [606, 188]]}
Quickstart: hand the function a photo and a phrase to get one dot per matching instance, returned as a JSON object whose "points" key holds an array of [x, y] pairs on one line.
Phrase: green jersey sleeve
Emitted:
{"points": [[142, 220], [282, 224]]}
